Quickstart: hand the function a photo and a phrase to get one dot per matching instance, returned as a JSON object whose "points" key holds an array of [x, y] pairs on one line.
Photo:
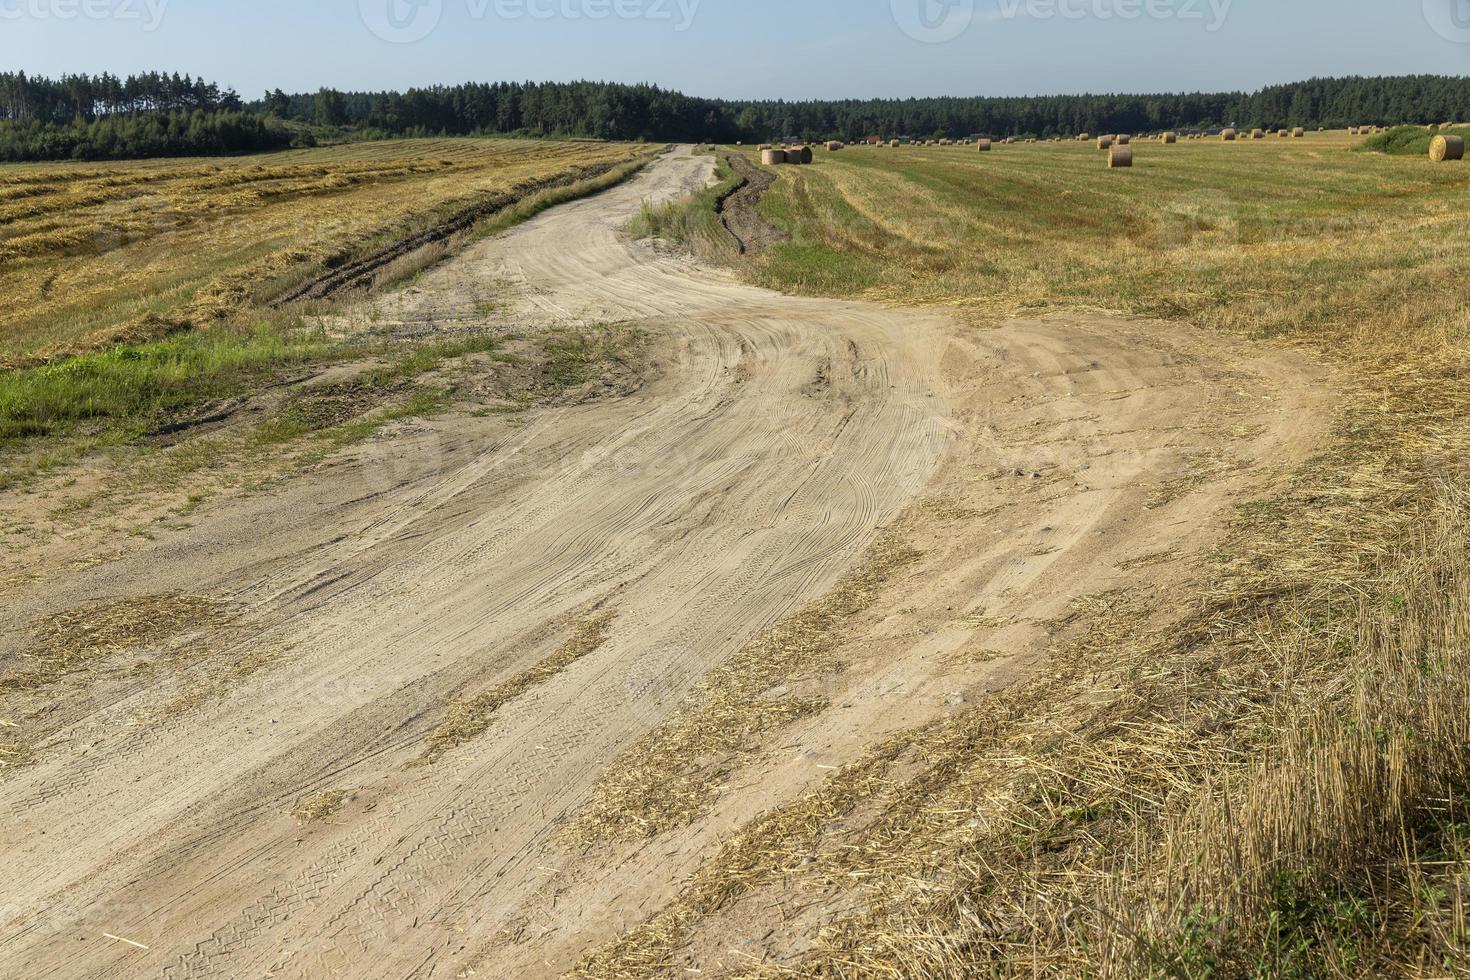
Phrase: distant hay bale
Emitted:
{"points": [[1227, 135], [1104, 142], [1124, 139], [1084, 137], [893, 144], [802, 154], [1443, 148], [1120, 156], [984, 145], [772, 158], [1169, 138], [1283, 134], [765, 146], [1298, 132], [1257, 134], [833, 146], [1352, 131]]}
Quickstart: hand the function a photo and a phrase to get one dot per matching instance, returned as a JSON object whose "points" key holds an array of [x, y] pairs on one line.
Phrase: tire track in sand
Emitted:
{"points": [[710, 504]]}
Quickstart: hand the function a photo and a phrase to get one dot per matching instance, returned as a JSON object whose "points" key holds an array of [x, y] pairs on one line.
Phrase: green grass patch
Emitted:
{"points": [[1409, 140], [690, 221], [137, 385]]}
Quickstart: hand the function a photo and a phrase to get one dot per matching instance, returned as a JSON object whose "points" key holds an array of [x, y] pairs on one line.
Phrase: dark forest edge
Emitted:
{"points": [[84, 117]]}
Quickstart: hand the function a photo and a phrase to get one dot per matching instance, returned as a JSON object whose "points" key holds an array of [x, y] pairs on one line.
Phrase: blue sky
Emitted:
{"points": [[746, 48]]}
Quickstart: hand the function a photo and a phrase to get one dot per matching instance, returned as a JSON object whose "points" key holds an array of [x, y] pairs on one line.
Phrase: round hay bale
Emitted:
{"points": [[1084, 137], [1124, 139], [1228, 135], [1257, 134], [1443, 148], [1169, 138], [1298, 132], [764, 147], [1120, 156], [984, 145], [772, 158], [1283, 134], [893, 143], [1104, 142], [803, 154]]}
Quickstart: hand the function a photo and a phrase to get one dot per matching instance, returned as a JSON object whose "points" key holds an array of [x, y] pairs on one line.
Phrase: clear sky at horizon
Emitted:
{"points": [[791, 49]]}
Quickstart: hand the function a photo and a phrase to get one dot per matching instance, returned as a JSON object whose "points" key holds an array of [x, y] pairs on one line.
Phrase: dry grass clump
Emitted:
{"points": [[672, 776], [469, 719], [15, 752], [72, 640], [1343, 847], [319, 807]]}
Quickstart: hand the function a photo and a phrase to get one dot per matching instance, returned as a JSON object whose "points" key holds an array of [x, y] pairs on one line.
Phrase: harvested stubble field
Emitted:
{"points": [[98, 253], [147, 300], [1268, 775]]}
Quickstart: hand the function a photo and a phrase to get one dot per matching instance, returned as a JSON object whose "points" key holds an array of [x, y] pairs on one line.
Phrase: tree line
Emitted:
{"points": [[630, 112], [70, 97], [141, 136], [105, 117]]}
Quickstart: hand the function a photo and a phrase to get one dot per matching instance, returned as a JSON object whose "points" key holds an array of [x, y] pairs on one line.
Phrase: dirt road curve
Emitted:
{"points": [[776, 439]]}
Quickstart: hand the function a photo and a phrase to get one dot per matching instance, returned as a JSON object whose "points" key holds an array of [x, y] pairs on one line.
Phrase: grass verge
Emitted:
{"points": [[693, 221]]}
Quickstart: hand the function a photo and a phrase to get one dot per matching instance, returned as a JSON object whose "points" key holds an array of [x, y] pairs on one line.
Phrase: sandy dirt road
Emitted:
{"points": [[776, 439]]}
